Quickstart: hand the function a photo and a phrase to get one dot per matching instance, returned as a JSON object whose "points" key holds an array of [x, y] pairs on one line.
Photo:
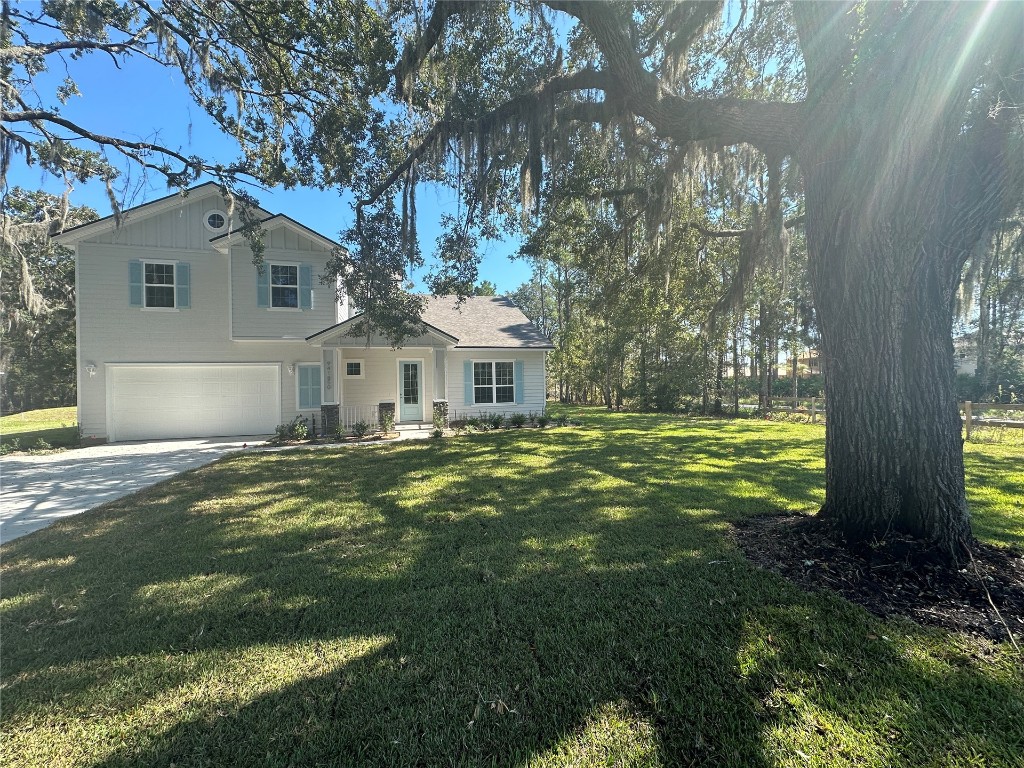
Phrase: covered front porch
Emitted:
{"points": [[365, 379]]}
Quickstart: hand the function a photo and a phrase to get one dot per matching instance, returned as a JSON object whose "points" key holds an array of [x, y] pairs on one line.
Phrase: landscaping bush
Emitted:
{"points": [[387, 421], [495, 420], [543, 420], [517, 420], [296, 429], [360, 429]]}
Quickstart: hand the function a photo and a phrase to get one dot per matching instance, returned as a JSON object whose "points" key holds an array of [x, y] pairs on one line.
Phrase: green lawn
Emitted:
{"points": [[565, 597], [57, 427]]}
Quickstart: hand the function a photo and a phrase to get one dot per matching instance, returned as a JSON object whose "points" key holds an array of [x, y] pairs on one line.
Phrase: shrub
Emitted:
{"points": [[517, 420], [495, 420], [296, 429], [543, 420], [436, 433], [387, 421], [360, 429], [562, 420], [473, 423], [42, 445], [438, 421], [10, 446]]}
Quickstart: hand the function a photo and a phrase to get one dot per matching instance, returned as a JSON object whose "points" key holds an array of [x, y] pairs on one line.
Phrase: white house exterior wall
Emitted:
{"points": [[111, 331], [379, 383], [534, 396], [250, 321]]}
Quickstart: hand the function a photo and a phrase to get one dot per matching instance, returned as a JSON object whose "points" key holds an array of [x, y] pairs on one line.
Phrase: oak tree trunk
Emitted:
{"points": [[894, 459]]}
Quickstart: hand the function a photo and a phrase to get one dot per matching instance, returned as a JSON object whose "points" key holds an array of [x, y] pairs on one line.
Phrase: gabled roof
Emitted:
{"points": [[139, 213], [485, 322], [338, 329], [225, 241], [480, 322]]}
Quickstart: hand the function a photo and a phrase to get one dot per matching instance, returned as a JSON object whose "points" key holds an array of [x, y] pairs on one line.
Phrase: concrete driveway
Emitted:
{"points": [[37, 490]]}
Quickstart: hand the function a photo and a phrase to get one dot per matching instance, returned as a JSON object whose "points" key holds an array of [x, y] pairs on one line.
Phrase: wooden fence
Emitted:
{"points": [[970, 421], [816, 408]]}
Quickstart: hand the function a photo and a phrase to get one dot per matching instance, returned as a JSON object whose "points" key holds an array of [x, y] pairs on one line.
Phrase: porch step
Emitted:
{"points": [[412, 427]]}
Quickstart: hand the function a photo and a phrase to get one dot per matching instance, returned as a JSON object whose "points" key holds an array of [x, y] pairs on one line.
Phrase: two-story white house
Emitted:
{"points": [[180, 335]]}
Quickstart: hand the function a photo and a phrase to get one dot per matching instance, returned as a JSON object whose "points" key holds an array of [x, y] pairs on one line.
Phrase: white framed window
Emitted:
{"points": [[354, 369], [493, 382], [158, 288], [215, 221], [284, 286], [307, 380]]}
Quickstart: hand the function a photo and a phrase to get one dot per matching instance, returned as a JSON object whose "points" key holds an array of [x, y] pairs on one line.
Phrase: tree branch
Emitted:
{"points": [[773, 127], [585, 79], [415, 53], [136, 150]]}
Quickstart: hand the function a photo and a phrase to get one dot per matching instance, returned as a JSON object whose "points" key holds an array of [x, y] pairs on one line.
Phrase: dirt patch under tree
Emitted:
{"points": [[983, 597]]}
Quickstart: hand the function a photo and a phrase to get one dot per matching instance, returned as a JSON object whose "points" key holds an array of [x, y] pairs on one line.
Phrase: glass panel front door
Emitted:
{"points": [[410, 406]]}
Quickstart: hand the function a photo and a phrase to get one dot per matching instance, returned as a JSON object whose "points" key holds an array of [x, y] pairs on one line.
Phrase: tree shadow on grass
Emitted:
{"points": [[503, 598]]}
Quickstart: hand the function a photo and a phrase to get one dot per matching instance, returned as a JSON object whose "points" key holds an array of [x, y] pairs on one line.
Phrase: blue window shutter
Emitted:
{"points": [[182, 285], [305, 286], [135, 283], [519, 379], [263, 287], [467, 372]]}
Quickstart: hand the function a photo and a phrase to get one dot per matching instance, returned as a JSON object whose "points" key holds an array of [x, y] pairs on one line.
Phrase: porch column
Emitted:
{"points": [[329, 372]]}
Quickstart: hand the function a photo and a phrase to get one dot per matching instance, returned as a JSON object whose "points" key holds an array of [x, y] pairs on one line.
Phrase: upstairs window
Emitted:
{"points": [[354, 369], [158, 285], [284, 286]]}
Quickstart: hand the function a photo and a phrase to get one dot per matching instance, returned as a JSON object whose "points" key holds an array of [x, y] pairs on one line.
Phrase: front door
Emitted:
{"points": [[410, 384]]}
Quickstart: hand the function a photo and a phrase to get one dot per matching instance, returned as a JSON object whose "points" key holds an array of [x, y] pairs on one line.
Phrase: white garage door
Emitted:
{"points": [[162, 401]]}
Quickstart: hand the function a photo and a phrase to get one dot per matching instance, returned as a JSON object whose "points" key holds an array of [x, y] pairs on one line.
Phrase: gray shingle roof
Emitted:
{"points": [[484, 321]]}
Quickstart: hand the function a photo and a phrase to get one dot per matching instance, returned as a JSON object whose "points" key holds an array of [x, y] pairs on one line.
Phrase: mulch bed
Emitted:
{"points": [[885, 578]]}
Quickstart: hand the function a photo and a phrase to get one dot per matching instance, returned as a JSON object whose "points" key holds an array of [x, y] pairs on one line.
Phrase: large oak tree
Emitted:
{"points": [[907, 136]]}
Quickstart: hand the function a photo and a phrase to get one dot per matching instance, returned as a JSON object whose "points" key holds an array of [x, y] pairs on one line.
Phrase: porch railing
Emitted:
{"points": [[350, 415]]}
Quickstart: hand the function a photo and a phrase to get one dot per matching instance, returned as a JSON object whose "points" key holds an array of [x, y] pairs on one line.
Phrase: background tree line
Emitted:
{"points": [[37, 302]]}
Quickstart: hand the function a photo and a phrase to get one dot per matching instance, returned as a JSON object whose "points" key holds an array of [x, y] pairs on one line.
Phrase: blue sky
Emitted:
{"points": [[149, 102]]}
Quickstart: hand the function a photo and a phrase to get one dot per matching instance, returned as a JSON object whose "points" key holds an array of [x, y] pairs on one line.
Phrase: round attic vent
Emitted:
{"points": [[215, 221]]}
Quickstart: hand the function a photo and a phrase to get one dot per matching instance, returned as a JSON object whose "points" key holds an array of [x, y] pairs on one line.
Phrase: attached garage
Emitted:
{"points": [[191, 400]]}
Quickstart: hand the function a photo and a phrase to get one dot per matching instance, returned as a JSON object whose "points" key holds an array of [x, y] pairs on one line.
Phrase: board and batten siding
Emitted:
{"points": [[534, 384], [251, 321], [180, 228]]}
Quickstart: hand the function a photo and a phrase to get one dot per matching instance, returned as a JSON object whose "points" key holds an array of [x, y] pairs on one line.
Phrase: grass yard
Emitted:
{"points": [[57, 427], [565, 597]]}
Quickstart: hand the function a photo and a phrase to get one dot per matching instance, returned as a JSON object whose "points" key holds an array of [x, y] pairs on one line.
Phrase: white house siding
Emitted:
{"points": [[380, 376], [534, 396], [250, 321], [112, 331]]}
